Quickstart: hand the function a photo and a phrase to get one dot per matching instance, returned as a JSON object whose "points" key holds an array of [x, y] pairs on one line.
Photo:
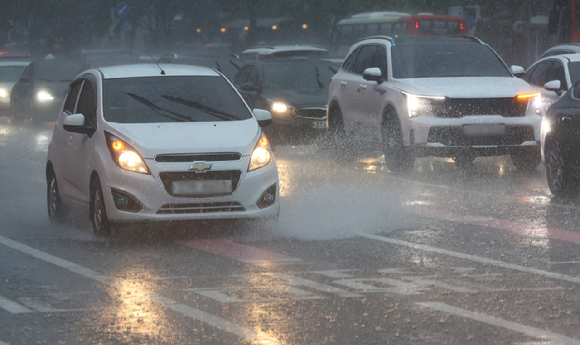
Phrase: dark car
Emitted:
{"points": [[228, 64], [294, 90], [561, 129], [38, 94]]}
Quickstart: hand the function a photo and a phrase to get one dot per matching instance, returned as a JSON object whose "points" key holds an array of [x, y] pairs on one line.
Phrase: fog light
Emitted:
{"points": [[268, 197], [125, 202]]}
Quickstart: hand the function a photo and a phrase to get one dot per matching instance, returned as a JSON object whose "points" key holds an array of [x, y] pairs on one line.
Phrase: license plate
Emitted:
{"points": [[319, 124], [200, 188], [484, 130]]}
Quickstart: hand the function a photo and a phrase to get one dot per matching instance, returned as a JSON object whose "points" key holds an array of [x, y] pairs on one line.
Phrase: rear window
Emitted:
{"points": [[443, 60], [172, 99], [289, 76]]}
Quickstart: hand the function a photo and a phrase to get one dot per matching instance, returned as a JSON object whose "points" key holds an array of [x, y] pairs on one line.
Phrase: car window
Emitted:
{"points": [[574, 69], [242, 76], [254, 76], [172, 99], [28, 73], [557, 73], [347, 65], [297, 76], [364, 60], [380, 60], [528, 76], [249, 56], [71, 97], [541, 73], [446, 60], [87, 104], [11, 73]]}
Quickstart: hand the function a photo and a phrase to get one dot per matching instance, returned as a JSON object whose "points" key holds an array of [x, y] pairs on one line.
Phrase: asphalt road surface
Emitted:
{"points": [[443, 255]]}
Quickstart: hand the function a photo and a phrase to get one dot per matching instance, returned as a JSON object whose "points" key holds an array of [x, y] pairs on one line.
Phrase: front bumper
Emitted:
{"points": [[157, 204], [302, 118]]}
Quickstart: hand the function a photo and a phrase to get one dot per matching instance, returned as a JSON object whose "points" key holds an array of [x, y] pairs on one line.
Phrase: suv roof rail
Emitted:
{"points": [[376, 37]]}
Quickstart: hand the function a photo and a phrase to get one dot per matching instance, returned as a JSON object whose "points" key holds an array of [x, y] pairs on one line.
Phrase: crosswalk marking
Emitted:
{"points": [[12, 307]]}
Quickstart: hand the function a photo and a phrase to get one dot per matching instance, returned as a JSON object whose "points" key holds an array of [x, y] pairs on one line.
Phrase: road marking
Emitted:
{"points": [[13, 307], [521, 229], [497, 263], [201, 316], [564, 262], [496, 321], [240, 252]]}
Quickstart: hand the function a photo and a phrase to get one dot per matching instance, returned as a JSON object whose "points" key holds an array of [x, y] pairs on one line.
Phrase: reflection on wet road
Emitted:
{"points": [[481, 254]]}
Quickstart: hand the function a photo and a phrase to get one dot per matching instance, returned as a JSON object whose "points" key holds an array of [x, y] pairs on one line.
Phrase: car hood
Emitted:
{"points": [[300, 98], [466, 87], [151, 139]]}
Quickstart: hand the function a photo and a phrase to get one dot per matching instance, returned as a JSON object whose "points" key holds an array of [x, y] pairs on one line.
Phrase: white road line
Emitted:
{"points": [[226, 326], [564, 262], [12, 307], [496, 321], [531, 270]]}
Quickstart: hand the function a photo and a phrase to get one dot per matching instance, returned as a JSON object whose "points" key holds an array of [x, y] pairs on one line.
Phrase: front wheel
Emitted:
{"points": [[397, 156], [337, 141], [98, 212], [55, 206], [527, 160], [563, 181]]}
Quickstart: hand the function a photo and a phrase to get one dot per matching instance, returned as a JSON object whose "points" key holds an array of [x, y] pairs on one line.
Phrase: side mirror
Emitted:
{"points": [[554, 85], [76, 124], [373, 74], [518, 71], [248, 86], [263, 116]]}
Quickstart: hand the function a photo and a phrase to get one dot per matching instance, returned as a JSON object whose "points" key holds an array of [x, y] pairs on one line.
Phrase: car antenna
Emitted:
{"points": [[161, 69]]}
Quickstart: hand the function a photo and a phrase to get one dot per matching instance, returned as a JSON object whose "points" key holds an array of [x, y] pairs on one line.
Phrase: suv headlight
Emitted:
{"points": [[262, 154], [44, 96], [534, 101], [420, 105], [125, 156]]}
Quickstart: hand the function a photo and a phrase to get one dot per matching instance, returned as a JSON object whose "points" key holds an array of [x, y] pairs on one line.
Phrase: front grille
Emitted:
{"points": [[459, 107], [317, 113], [207, 157], [453, 136], [204, 207], [168, 177]]}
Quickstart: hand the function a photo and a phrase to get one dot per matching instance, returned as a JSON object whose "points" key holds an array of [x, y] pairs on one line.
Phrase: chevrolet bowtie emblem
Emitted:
{"points": [[200, 166]]}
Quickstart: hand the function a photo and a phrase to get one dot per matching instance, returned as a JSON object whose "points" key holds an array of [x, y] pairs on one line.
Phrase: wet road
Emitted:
{"points": [[443, 255]]}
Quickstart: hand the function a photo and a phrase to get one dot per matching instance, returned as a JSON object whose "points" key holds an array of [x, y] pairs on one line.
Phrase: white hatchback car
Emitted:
{"points": [[141, 143], [444, 96]]}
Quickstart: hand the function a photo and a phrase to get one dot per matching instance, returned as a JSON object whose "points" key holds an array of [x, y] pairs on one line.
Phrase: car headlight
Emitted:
{"points": [[3, 93], [281, 107], [534, 101], [125, 156], [420, 105], [44, 96], [262, 154]]}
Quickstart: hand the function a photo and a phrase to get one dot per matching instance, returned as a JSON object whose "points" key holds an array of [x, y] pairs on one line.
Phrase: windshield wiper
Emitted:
{"points": [[320, 85], [209, 110], [174, 116]]}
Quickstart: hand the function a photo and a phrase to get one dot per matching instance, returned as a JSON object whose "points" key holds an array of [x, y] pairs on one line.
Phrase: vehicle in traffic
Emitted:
{"points": [[10, 72], [273, 52], [553, 76], [294, 90], [438, 96], [562, 49], [37, 96], [139, 143], [561, 144], [227, 64]]}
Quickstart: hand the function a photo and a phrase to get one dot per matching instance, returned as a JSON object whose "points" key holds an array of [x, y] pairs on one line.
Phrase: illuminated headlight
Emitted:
{"points": [[546, 126], [262, 154], [281, 107], [537, 104], [420, 105], [3, 93], [534, 101], [44, 96], [125, 156]]}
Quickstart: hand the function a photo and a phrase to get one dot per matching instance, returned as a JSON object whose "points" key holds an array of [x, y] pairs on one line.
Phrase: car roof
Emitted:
{"points": [[296, 60], [14, 63], [563, 57], [275, 49], [152, 70]]}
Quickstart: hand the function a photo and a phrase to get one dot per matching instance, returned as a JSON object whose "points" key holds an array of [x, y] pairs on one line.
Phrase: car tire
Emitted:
{"points": [[102, 226], [398, 158], [337, 141], [527, 160], [562, 180], [55, 207]]}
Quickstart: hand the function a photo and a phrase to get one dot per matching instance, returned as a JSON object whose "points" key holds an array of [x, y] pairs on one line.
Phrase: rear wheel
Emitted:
{"points": [[562, 180], [397, 156], [98, 212], [55, 206], [526, 160]]}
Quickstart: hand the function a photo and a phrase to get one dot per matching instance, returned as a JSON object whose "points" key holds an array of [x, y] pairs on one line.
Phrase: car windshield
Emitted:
{"points": [[172, 99], [574, 68], [294, 76], [11, 73], [446, 60]]}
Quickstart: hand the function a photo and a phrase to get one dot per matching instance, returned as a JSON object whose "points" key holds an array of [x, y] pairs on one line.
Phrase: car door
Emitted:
{"points": [[557, 72], [373, 98], [80, 146], [250, 94], [346, 83], [359, 92]]}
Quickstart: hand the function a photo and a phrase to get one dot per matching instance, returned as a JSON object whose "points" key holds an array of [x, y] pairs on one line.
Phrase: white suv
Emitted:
{"points": [[446, 97], [141, 143]]}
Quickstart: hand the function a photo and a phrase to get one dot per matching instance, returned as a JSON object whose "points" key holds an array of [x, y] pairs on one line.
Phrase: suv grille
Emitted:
{"points": [[453, 136], [209, 157], [205, 207], [168, 177], [459, 107], [314, 113]]}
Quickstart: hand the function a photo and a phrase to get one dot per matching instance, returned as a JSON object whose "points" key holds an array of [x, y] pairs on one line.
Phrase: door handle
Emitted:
{"points": [[566, 119], [343, 83], [70, 140], [363, 86]]}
